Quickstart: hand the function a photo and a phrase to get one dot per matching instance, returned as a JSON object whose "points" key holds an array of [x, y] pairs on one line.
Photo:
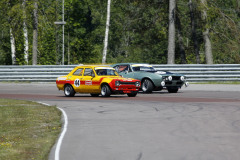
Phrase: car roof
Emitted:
{"points": [[94, 66], [128, 64]]}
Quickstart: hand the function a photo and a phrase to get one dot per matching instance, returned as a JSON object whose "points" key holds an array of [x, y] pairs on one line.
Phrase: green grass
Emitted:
{"points": [[28, 130]]}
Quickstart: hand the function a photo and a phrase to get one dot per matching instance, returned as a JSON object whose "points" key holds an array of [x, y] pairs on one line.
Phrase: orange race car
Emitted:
{"points": [[97, 80]]}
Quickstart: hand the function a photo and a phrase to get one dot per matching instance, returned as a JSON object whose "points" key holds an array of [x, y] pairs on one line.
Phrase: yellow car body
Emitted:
{"points": [[97, 80]]}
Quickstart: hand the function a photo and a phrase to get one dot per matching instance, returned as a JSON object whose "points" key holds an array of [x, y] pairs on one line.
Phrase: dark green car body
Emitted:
{"points": [[150, 78]]}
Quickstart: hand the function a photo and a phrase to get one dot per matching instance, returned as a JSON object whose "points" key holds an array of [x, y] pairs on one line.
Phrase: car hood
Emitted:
{"points": [[166, 73], [120, 78], [162, 73]]}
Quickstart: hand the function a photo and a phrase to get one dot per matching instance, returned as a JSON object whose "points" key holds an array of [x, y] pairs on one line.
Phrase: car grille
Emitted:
{"points": [[170, 82], [127, 83], [180, 83], [174, 78]]}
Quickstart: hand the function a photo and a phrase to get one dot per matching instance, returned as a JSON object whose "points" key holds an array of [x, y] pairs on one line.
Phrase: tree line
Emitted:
{"points": [[114, 31]]}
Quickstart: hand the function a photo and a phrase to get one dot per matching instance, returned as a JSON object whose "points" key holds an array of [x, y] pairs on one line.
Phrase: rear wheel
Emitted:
{"points": [[147, 86], [69, 91], [105, 91], [172, 89], [132, 94]]}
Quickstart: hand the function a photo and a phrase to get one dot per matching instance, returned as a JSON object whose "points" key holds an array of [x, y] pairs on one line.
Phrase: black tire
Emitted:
{"points": [[147, 86], [172, 89], [94, 95], [132, 94], [105, 91], [69, 91]]}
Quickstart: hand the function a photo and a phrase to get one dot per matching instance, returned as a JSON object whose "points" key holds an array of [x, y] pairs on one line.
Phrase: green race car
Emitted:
{"points": [[151, 79]]}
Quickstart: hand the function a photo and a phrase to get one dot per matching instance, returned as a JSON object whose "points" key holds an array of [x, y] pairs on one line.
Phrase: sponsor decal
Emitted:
{"points": [[77, 82], [88, 82]]}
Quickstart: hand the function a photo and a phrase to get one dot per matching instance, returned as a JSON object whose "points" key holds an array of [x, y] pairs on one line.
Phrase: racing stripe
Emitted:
{"points": [[82, 82]]}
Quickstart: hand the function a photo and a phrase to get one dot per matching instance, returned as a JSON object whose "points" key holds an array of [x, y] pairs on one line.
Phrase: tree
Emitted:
{"points": [[171, 32], [207, 42], [139, 32], [106, 32], [180, 40], [35, 32], [25, 33], [12, 37], [13, 47], [194, 32]]}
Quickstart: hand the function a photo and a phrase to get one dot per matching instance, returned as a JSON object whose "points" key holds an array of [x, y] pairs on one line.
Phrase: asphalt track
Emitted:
{"points": [[201, 122]]}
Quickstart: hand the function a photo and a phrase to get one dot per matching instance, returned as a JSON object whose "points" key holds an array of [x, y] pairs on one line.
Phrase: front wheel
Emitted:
{"points": [[69, 91], [172, 89], [105, 91], [147, 86], [132, 94]]}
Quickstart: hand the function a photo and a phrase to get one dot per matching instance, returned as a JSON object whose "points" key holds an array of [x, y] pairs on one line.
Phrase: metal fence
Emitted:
{"points": [[193, 72], [204, 73]]}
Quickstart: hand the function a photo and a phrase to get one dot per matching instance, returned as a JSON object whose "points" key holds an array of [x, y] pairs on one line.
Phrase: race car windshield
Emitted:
{"points": [[105, 72], [143, 68]]}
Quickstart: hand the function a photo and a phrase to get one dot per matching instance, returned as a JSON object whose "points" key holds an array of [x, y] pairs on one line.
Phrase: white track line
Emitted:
{"points": [[60, 139], [62, 134]]}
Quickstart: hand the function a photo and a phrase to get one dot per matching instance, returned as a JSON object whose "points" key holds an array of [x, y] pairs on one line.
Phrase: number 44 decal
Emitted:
{"points": [[77, 82]]}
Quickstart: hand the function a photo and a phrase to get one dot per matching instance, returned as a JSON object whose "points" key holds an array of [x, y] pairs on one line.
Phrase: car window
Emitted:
{"points": [[105, 72], [78, 72], [143, 68], [88, 72], [122, 68], [116, 68]]}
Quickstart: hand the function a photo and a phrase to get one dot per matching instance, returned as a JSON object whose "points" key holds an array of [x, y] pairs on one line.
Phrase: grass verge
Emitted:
{"points": [[28, 130]]}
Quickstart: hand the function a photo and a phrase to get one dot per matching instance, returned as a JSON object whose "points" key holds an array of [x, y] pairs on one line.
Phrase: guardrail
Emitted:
{"points": [[193, 72], [36, 73], [203, 72]]}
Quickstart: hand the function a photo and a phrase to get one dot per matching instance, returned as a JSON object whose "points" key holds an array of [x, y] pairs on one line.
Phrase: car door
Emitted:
{"points": [[76, 78], [87, 80]]}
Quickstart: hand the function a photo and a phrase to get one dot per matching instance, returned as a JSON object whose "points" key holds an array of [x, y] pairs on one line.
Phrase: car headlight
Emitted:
{"points": [[170, 78], [137, 84], [117, 83], [182, 78], [163, 83]]}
